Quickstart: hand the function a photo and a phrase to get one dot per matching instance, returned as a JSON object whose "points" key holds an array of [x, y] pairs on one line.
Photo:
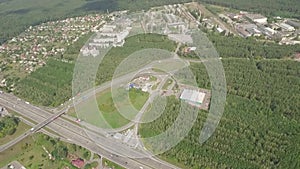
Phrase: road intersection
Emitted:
{"points": [[81, 135]]}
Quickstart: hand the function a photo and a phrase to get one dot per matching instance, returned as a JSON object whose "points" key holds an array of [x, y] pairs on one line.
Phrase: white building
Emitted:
{"points": [[272, 31], [108, 28], [286, 27], [257, 18], [220, 30], [192, 96], [87, 52]]}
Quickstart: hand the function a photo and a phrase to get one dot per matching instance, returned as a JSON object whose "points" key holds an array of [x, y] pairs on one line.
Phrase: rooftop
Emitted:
{"points": [[192, 96], [255, 16], [79, 163]]}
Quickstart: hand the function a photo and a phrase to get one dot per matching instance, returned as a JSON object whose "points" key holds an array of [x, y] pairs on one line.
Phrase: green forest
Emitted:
{"points": [[282, 8], [16, 16], [8, 125], [238, 47], [259, 128], [250, 48], [49, 85]]}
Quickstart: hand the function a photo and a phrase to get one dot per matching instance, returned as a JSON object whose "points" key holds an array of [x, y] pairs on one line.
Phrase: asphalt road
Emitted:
{"points": [[75, 134], [102, 145]]}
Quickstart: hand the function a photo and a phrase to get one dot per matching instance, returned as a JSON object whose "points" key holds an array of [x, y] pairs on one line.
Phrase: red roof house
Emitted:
{"points": [[79, 163]]}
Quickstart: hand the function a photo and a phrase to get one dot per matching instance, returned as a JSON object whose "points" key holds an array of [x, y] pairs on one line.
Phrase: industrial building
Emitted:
{"points": [[254, 32], [293, 23], [269, 30], [192, 96], [243, 32], [258, 18], [286, 27]]}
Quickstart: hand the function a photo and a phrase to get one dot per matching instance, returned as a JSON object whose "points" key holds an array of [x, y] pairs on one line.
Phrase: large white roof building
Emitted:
{"points": [[257, 18], [192, 96]]}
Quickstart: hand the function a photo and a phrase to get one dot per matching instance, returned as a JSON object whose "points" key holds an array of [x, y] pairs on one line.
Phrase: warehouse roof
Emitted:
{"points": [[192, 96]]}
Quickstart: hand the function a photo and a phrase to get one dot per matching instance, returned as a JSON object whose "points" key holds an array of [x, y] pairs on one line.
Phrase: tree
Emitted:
{"points": [[86, 154], [60, 152]]}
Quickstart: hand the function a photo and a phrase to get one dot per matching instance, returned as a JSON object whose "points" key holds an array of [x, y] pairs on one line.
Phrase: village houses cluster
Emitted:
{"points": [[50, 39]]}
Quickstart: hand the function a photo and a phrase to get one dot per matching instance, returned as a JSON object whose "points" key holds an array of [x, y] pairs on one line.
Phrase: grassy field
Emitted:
{"points": [[167, 84], [92, 165], [30, 153], [110, 164], [109, 111], [22, 127]]}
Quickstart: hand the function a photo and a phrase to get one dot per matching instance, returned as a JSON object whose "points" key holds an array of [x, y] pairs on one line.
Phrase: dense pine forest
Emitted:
{"points": [[284, 8], [238, 47], [259, 128]]}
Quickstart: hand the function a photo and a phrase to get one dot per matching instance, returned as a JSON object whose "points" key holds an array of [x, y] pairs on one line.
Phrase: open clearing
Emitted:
{"points": [[108, 109]]}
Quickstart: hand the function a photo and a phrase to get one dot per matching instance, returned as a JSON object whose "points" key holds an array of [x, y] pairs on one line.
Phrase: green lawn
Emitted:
{"points": [[92, 165], [167, 84], [138, 98], [153, 78], [22, 127], [30, 153], [109, 111], [158, 70], [110, 164]]}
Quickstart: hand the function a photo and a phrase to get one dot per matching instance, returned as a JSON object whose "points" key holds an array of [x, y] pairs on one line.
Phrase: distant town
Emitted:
{"points": [[31, 49]]}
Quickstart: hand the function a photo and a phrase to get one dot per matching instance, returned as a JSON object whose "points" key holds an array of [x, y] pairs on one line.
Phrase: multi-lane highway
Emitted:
{"points": [[102, 145], [77, 135]]}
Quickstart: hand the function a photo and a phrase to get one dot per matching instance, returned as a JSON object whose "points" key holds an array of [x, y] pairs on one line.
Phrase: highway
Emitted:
{"points": [[15, 141], [105, 146], [77, 135], [23, 136]]}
